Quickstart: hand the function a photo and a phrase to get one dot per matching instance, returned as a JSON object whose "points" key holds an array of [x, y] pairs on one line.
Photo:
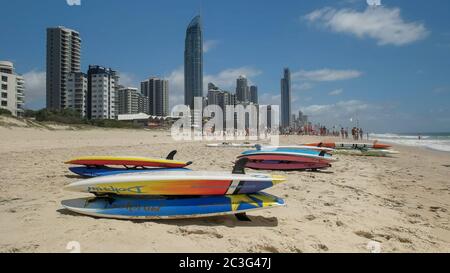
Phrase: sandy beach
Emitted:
{"points": [[401, 202]]}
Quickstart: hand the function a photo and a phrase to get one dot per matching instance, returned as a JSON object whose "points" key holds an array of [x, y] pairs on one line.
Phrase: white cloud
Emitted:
{"points": [[342, 109], [302, 87], [380, 23], [226, 79], [269, 99], [326, 75], [35, 89], [336, 92], [176, 87], [209, 44], [128, 80]]}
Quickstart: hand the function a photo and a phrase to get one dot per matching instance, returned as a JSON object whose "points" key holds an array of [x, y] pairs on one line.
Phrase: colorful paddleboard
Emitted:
{"points": [[171, 208], [336, 145], [176, 183], [129, 161], [302, 154], [287, 159], [104, 171], [295, 147]]}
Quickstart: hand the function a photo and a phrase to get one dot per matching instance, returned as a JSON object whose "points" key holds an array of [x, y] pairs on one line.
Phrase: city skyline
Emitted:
{"points": [[386, 82]]}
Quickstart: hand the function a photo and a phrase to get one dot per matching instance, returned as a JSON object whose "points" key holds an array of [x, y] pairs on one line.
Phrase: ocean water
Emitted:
{"points": [[434, 141]]}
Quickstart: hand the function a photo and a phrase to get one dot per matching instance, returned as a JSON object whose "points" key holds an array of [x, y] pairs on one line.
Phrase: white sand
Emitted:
{"points": [[401, 202]]}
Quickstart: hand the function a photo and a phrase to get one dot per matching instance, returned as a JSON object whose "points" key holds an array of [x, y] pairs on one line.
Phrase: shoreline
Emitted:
{"points": [[401, 202]]}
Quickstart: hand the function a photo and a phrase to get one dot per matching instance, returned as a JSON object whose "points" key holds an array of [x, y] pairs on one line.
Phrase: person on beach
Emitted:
{"points": [[361, 133]]}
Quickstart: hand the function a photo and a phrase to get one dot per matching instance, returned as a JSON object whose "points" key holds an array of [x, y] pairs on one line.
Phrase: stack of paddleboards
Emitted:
{"points": [[288, 158], [361, 149], [173, 194]]}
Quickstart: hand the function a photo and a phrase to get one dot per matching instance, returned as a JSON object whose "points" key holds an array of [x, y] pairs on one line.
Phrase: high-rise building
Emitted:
{"points": [[193, 62], [76, 93], [63, 57], [286, 99], [102, 92], [12, 91], [254, 94], [242, 89], [157, 91], [131, 101], [128, 99]]}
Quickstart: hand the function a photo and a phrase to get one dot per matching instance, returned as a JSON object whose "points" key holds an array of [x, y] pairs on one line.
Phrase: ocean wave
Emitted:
{"points": [[426, 141]]}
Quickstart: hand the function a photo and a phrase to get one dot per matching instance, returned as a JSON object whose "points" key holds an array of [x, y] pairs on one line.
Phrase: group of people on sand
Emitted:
{"points": [[357, 133]]}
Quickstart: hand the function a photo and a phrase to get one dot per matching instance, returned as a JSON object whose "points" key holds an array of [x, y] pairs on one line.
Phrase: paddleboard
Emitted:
{"points": [[171, 208], [291, 155], [295, 147], [367, 152], [176, 183], [129, 161], [337, 145], [104, 171], [285, 165], [231, 145]]}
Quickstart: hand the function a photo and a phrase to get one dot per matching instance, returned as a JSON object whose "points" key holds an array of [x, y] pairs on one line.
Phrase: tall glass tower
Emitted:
{"points": [[193, 62], [286, 99]]}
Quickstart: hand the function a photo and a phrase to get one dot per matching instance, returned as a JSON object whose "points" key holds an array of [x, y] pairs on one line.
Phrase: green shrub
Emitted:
{"points": [[5, 112]]}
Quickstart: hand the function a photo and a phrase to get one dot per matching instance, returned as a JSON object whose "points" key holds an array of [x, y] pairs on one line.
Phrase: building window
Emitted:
{"points": [[4, 87], [4, 78], [4, 103], [4, 95]]}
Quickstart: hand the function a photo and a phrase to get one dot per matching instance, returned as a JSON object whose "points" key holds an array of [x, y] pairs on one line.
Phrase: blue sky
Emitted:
{"points": [[386, 66]]}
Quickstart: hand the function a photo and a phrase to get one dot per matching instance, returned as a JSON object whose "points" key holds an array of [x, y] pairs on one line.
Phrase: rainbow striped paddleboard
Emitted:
{"points": [[176, 183], [97, 171], [158, 207], [169, 162]]}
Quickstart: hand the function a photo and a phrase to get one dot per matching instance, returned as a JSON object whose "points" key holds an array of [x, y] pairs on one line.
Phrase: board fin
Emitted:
{"points": [[258, 147], [171, 155], [323, 153], [242, 217], [239, 166]]}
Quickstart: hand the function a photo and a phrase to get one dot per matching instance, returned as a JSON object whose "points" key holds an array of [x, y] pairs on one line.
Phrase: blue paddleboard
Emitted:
{"points": [[104, 171], [159, 207]]}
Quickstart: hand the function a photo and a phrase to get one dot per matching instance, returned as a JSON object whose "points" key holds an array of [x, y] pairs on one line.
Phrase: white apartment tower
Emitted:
{"points": [[102, 92], [12, 90], [76, 93]]}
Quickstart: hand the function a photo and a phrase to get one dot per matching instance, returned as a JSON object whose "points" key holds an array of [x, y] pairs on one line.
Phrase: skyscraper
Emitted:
{"points": [[63, 57], [157, 91], [242, 89], [254, 94], [286, 99], [193, 62], [12, 89]]}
